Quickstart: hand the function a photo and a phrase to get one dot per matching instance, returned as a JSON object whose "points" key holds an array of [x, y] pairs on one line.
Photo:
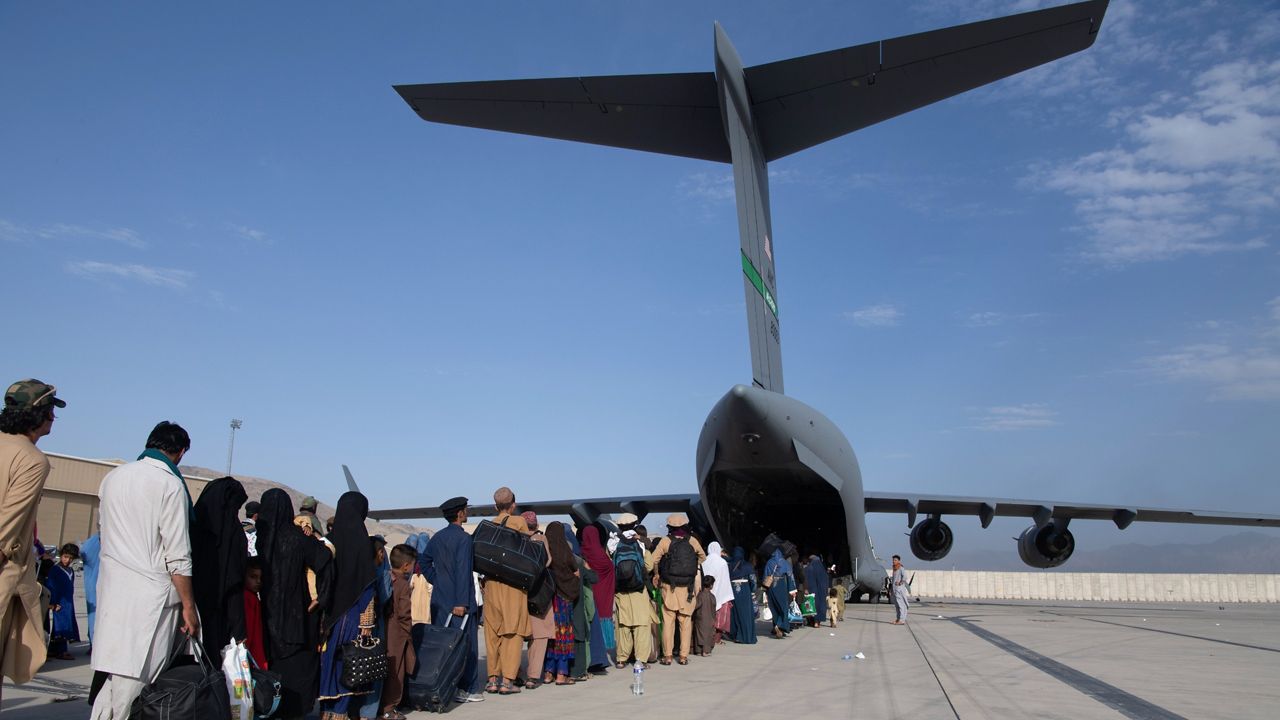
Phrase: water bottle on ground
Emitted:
{"points": [[637, 679]]}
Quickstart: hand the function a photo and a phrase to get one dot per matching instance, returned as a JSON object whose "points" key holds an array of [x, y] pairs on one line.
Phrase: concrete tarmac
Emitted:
{"points": [[952, 660]]}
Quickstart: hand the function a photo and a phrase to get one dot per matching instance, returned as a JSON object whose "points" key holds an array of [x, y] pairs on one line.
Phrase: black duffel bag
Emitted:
{"points": [[190, 692], [507, 555]]}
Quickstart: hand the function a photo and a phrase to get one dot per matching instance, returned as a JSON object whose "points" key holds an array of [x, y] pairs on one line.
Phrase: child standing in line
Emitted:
{"points": [[704, 618], [61, 582], [253, 640], [400, 655]]}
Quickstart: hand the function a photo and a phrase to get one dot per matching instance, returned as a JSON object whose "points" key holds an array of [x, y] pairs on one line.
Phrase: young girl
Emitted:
{"points": [[62, 591]]}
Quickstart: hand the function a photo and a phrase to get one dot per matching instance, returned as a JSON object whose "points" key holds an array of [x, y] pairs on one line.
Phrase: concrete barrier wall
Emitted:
{"points": [[1097, 587]]}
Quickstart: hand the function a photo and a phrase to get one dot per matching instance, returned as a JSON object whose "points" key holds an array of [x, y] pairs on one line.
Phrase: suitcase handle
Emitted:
{"points": [[463, 626]]}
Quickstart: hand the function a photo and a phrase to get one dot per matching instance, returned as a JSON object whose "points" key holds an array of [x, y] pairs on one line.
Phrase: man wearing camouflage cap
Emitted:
{"points": [[308, 507], [27, 416]]}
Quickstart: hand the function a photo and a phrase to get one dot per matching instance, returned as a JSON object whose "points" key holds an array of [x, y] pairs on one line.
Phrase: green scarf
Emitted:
{"points": [[155, 454]]}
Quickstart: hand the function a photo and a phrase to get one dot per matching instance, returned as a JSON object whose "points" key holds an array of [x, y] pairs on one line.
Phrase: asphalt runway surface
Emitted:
{"points": [[952, 660]]}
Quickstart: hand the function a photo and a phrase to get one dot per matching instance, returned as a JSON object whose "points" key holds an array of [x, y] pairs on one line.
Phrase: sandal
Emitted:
{"points": [[664, 661], [566, 681], [492, 686], [532, 684], [682, 661], [508, 689], [620, 665]]}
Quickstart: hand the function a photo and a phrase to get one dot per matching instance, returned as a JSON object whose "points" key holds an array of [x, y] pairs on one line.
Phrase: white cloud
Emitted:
{"points": [[990, 318], [1244, 367], [710, 186], [146, 274], [1195, 172], [249, 233], [1250, 374], [59, 231], [876, 316], [1015, 417]]}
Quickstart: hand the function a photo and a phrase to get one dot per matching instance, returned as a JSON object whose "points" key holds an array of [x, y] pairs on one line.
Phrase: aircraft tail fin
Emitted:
{"points": [[351, 481]]}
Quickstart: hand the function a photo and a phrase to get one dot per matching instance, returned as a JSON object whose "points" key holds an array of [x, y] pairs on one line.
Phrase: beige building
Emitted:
{"points": [[68, 509]]}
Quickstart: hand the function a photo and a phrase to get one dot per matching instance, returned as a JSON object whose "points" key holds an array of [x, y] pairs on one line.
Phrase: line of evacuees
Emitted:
{"points": [[296, 589]]}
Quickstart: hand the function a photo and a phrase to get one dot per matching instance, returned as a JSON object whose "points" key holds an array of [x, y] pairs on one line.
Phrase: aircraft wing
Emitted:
{"points": [[804, 101], [1041, 511], [586, 508], [674, 114]]}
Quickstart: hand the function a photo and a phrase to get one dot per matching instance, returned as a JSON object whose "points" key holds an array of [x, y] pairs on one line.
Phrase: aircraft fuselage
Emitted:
{"points": [[770, 463]]}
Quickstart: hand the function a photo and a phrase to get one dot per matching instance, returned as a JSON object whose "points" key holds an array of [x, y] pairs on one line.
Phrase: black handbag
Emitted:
{"points": [[507, 555], [266, 690], [542, 593], [192, 692], [364, 660]]}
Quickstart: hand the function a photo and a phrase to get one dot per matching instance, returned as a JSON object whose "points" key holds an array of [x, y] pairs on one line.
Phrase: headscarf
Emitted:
{"points": [[593, 552], [777, 565], [353, 569], [418, 541], [816, 578], [563, 565], [739, 568], [716, 567], [572, 540], [219, 553]]}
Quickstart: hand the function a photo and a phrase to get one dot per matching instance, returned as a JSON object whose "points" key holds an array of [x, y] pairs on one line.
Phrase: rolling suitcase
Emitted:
{"points": [[442, 654], [507, 555]]}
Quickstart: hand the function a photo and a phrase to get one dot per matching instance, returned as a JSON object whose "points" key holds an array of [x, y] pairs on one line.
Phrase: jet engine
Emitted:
{"points": [[1046, 546], [931, 539]]}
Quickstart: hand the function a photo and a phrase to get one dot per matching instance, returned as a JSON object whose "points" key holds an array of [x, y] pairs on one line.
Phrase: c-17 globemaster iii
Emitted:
{"points": [[766, 462]]}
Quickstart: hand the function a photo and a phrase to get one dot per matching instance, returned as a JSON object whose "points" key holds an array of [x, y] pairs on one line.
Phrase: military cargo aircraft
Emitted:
{"points": [[767, 462]]}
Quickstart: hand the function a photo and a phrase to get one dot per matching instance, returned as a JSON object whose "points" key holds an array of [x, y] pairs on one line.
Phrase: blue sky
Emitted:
{"points": [[1063, 286]]}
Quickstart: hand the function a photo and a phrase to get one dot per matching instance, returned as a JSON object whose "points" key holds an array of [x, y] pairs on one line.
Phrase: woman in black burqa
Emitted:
{"points": [[219, 553], [293, 634], [351, 611]]}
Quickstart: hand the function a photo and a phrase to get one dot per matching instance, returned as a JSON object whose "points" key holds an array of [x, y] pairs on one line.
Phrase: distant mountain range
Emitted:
{"points": [[1245, 552], [393, 532]]}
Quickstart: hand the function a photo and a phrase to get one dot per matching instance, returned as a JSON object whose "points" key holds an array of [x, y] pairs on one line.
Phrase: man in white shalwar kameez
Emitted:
{"points": [[144, 584]]}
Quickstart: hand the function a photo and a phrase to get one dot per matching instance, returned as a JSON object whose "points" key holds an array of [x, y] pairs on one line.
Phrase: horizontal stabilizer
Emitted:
{"points": [[674, 114], [805, 101]]}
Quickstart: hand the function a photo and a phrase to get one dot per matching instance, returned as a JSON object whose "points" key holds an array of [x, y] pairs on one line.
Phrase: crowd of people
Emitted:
{"points": [[296, 589]]}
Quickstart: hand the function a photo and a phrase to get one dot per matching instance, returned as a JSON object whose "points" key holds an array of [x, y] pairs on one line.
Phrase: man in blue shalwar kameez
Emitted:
{"points": [[447, 565]]}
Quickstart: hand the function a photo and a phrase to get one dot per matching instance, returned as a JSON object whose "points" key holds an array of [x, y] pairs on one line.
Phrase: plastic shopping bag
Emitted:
{"points": [[235, 665]]}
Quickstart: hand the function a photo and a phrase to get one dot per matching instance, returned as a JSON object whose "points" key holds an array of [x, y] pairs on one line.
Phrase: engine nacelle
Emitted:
{"points": [[931, 539], [1046, 547]]}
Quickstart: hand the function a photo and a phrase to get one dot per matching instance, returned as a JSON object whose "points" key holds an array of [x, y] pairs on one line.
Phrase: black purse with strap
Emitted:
{"points": [[364, 661]]}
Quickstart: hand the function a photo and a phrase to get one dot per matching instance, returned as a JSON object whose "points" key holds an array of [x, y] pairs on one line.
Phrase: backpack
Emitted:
{"points": [[628, 565], [679, 567]]}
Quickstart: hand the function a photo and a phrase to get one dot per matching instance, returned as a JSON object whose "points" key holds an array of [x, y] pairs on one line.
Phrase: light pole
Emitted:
{"points": [[231, 446]]}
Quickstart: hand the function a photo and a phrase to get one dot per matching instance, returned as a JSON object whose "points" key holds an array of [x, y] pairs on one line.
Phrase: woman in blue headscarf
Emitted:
{"points": [[781, 585], [819, 583], [742, 624]]}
